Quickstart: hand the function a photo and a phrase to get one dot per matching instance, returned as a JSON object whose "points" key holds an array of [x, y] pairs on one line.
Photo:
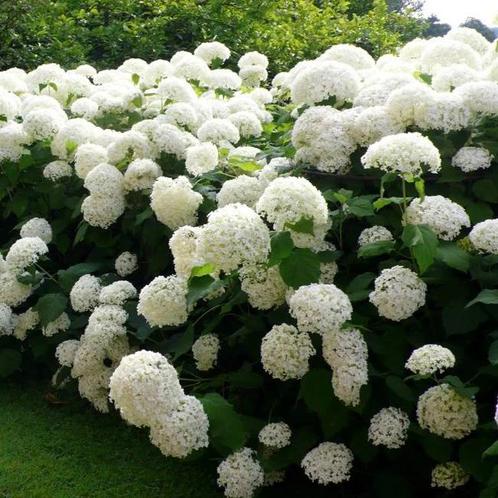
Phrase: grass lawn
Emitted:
{"points": [[70, 451]]}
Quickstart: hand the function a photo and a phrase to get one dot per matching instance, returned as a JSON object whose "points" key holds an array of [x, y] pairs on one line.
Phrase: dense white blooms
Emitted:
{"points": [[42, 124], [403, 153], [37, 227], [13, 292], [243, 189], [484, 236], [181, 431], [247, 123], [117, 293], [372, 124], [481, 97], [84, 295], [56, 170], [322, 80], [446, 413], [25, 322], [389, 428], [240, 474], [218, 131], [66, 351], [275, 435], [12, 142], [443, 52], [449, 475], [320, 308], [144, 387], [445, 217], [6, 320], [9, 105], [287, 200], [201, 158], [129, 145], [184, 247], [346, 352], [253, 59], [398, 293], [60, 324], [210, 51], [450, 77], [408, 101], [285, 352], [374, 234], [164, 301], [224, 79], [234, 235], [472, 159], [25, 252], [174, 202], [430, 359], [126, 264], [205, 350], [352, 55], [87, 157], [264, 286], [471, 37], [84, 108], [446, 112], [328, 463], [141, 175]]}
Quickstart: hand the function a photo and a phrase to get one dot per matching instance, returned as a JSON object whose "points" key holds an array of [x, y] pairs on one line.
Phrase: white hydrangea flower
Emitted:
{"points": [[87, 157], [56, 170], [181, 431], [263, 286], [320, 308], [346, 352], [275, 435], [403, 153], [481, 97], [328, 463], [445, 217], [484, 236], [210, 51], [37, 227], [389, 428], [408, 101], [141, 175], [164, 301], [430, 359], [7, 321], [126, 263], [449, 475], [84, 108], [472, 159], [223, 79], [471, 37], [253, 59], [60, 324], [321, 80], [201, 158], [354, 56], [25, 322], [12, 142], [117, 293], [205, 350], [450, 77], [443, 52], [240, 474], [12, 292], [398, 293], [372, 124], [66, 351], [130, 144], [184, 247], [285, 352], [176, 90], [288, 200], [374, 234], [43, 124], [234, 235], [446, 413], [84, 295], [218, 131], [242, 189], [174, 202], [24, 253], [144, 387]]}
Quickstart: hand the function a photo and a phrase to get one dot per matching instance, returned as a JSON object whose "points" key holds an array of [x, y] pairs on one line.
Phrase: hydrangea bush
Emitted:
{"points": [[299, 278]]}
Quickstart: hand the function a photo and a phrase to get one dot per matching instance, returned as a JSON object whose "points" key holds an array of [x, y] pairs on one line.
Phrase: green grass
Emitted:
{"points": [[70, 451]]}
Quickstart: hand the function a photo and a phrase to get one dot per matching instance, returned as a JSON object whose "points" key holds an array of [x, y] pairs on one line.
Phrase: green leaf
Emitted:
{"points": [[144, 215], [10, 361], [301, 267], [376, 248], [80, 233], [493, 353], [492, 450], [398, 387], [453, 256], [422, 242], [227, 431], [360, 207], [199, 287], [71, 146], [200, 271], [181, 343], [304, 225], [357, 289], [50, 307], [486, 296], [486, 190], [460, 387], [135, 78], [281, 247], [420, 188], [386, 201], [68, 277]]}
